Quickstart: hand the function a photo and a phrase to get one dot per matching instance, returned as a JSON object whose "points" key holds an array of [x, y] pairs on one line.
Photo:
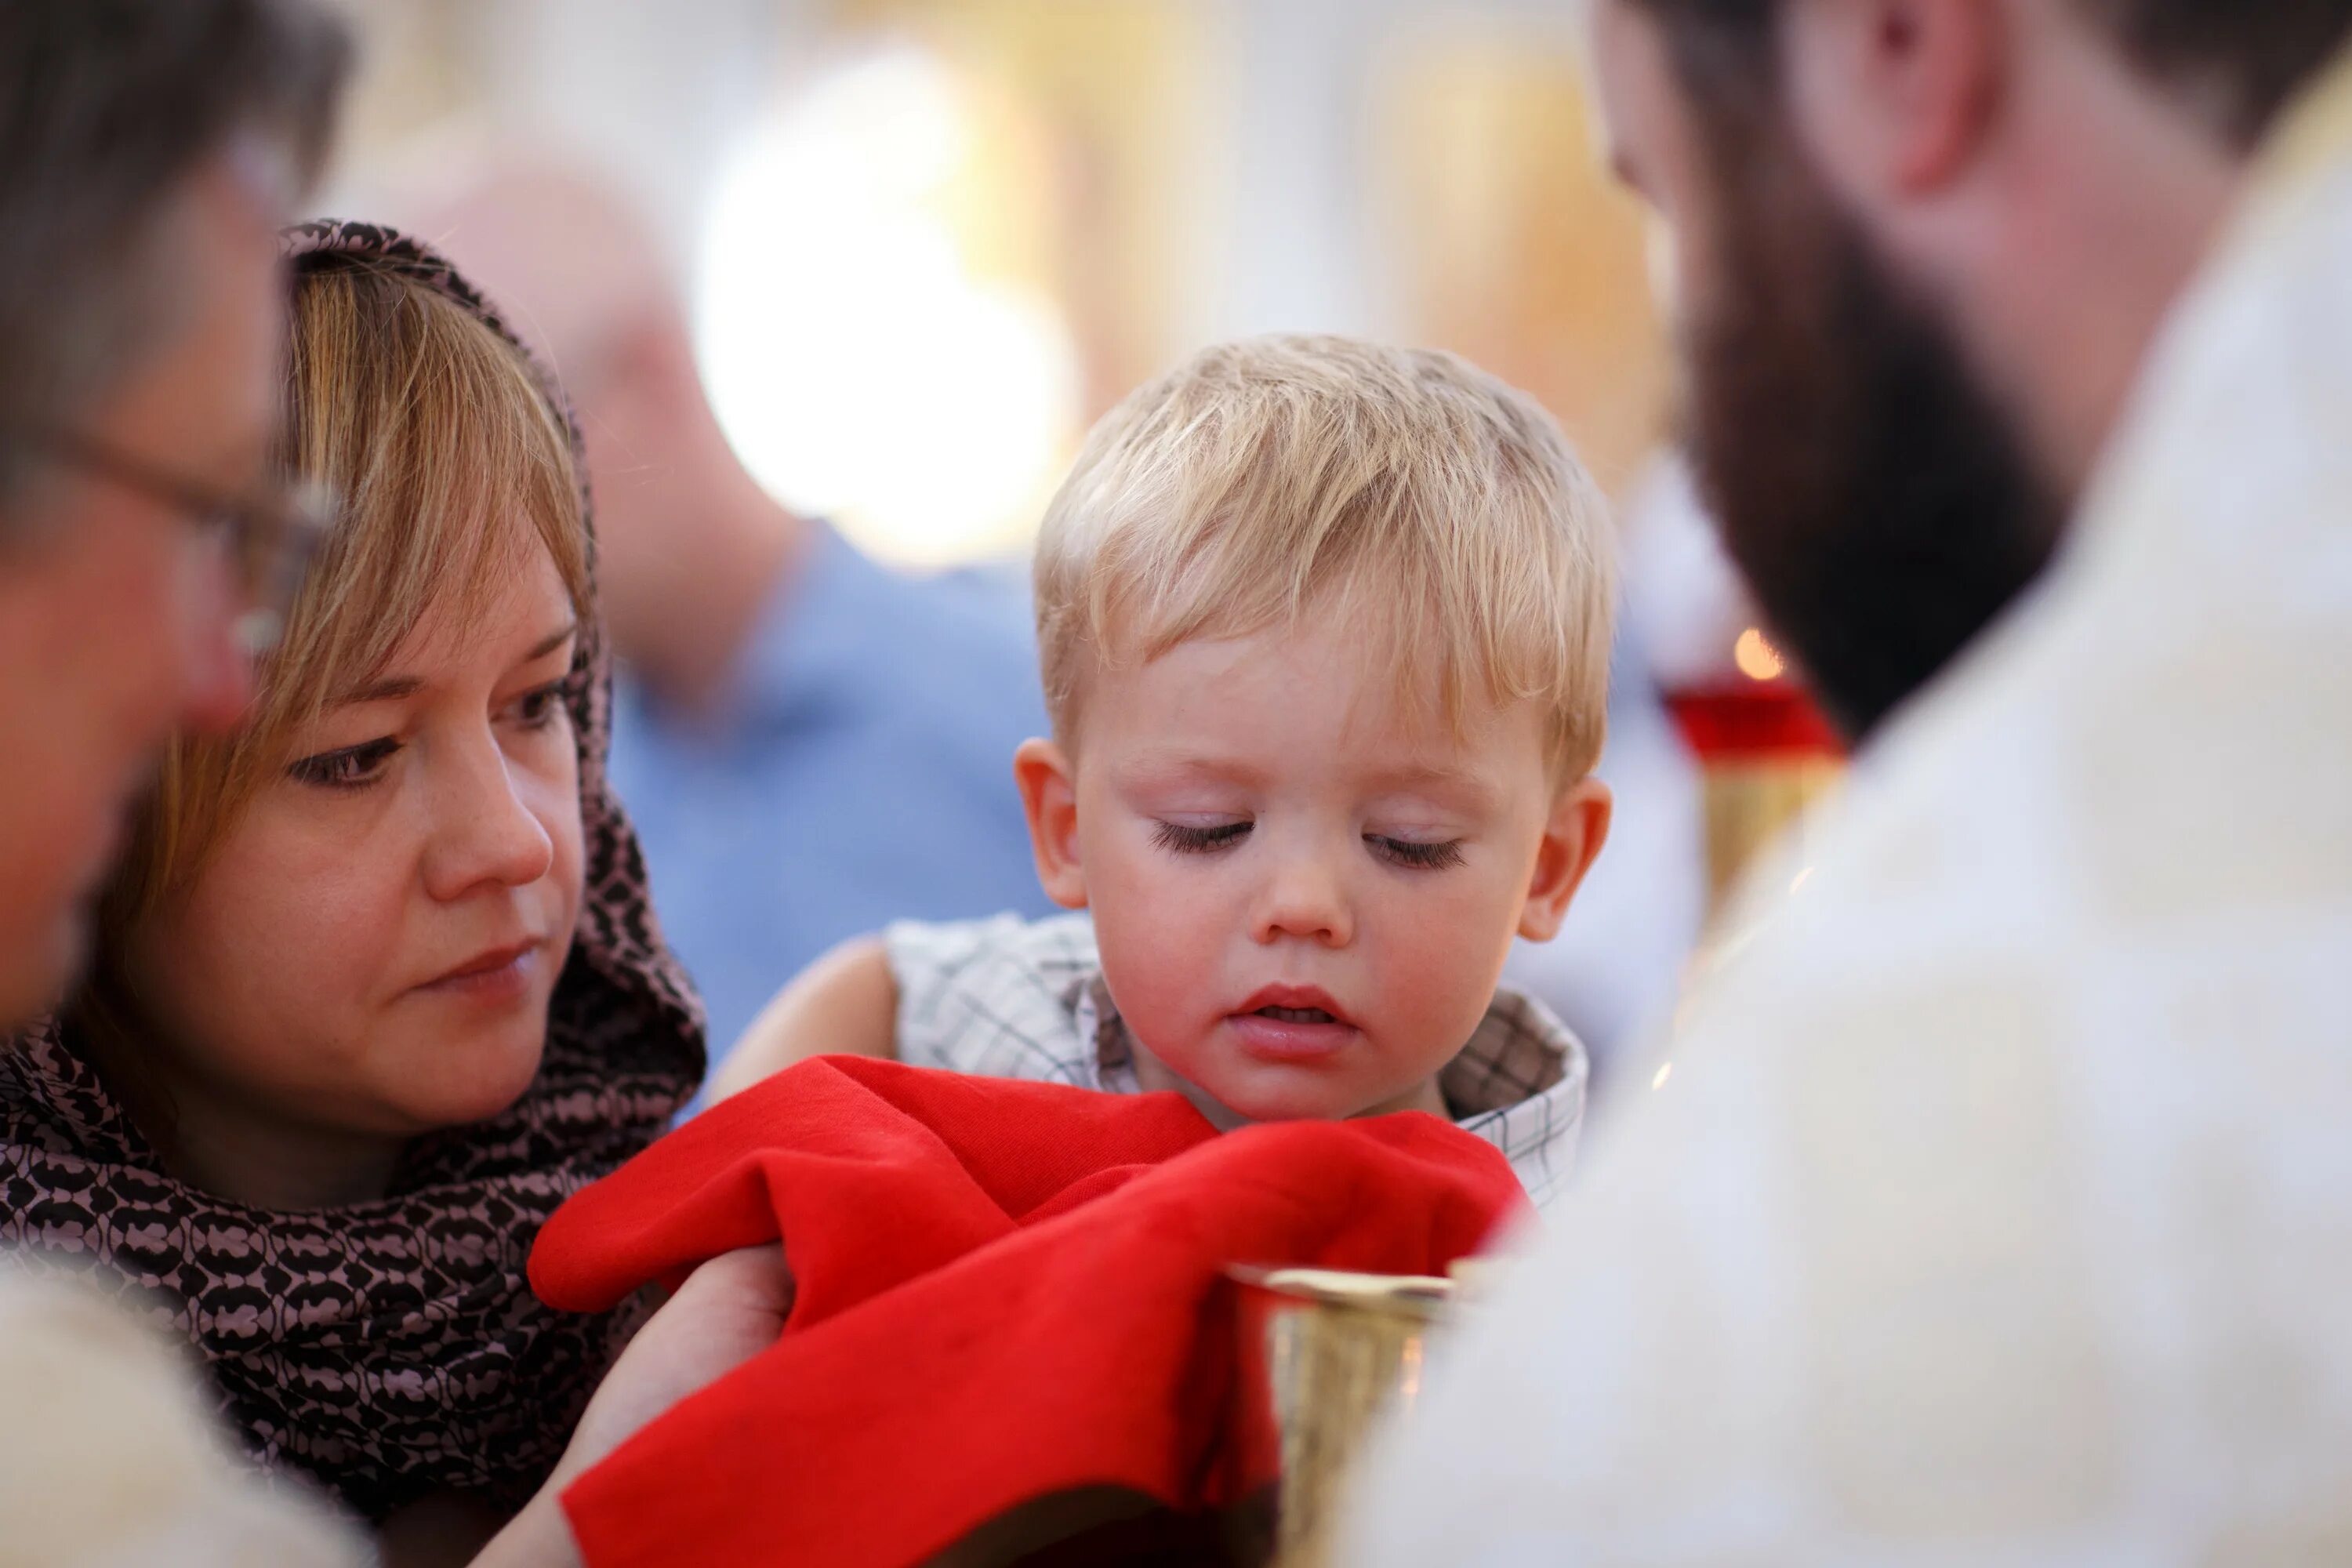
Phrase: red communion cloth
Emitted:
{"points": [[1005, 1290]]}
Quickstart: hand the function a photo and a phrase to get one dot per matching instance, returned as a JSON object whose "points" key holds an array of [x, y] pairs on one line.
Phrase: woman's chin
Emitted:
{"points": [[459, 1093]]}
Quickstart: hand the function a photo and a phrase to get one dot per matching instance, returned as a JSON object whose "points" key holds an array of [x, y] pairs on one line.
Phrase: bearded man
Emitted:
{"points": [[1994, 1200]]}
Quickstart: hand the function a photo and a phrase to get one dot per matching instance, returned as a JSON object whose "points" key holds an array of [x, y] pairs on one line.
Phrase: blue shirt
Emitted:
{"points": [[861, 773]]}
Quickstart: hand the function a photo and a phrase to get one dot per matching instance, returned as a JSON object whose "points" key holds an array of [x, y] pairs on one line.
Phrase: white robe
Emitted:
{"points": [[111, 1456], [1996, 1208]]}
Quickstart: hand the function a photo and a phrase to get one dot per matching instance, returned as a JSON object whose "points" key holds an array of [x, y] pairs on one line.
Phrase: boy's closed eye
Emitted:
{"points": [[1186, 839], [1413, 854], [1416, 854]]}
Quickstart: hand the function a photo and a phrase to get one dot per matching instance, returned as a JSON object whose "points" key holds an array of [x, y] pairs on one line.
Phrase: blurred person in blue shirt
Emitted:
{"points": [[811, 742], [857, 770]]}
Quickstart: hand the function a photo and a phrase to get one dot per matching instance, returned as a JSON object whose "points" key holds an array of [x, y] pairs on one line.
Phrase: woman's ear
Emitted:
{"points": [[1049, 794], [1572, 837]]}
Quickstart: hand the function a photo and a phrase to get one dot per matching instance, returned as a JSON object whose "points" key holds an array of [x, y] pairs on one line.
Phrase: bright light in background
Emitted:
{"points": [[1757, 657], [862, 370]]}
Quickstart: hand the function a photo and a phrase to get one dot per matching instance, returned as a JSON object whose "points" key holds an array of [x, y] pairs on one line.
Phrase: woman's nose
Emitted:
{"points": [[1305, 899], [485, 833]]}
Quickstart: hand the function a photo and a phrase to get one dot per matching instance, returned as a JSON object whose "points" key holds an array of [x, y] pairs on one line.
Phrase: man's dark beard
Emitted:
{"points": [[1878, 502]]}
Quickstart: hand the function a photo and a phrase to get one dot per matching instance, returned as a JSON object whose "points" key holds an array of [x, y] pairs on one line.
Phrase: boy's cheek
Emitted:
{"points": [[1160, 954], [1444, 955]]}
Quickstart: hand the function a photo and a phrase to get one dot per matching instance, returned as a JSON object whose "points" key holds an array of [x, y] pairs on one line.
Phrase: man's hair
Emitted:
{"points": [[1435, 513], [106, 108], [2237, 62]]}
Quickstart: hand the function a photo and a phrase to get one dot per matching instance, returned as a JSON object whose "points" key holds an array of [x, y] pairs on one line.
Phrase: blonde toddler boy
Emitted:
{"points": [[1323, 628]]}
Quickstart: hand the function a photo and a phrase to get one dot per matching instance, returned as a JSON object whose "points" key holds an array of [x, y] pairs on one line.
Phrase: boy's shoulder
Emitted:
{"points": [[1054, 946], [1520, 1049], [1000, 996], [1520, 1084]]}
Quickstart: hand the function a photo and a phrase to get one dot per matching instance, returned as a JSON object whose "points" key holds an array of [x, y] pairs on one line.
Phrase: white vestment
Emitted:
{"points": [[1996, 1208], [112, 1458]]}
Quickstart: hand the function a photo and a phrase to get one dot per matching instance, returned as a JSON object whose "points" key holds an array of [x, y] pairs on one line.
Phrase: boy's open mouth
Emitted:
{"points": [[1291, 1024]]}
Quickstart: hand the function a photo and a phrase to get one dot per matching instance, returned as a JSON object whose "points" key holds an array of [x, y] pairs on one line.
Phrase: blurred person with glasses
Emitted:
{"points": [[263, 540], [150, 151], [148, 155]]}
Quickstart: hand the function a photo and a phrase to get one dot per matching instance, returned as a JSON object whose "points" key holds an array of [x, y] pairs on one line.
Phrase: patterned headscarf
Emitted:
{"points": [[392, 1348]]}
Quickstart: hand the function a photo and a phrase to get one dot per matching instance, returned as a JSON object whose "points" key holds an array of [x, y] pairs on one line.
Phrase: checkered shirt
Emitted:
{"points": [[1007, 997]]}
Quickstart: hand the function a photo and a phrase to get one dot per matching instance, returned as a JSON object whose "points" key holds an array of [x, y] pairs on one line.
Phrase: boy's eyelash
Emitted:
{"points": [[1186, 841], [1406, 852], [351, 767], [1420, 857]]}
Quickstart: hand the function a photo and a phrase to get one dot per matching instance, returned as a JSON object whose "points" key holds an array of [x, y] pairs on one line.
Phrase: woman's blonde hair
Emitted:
{"points": [[1428, 506], [450, 462]]}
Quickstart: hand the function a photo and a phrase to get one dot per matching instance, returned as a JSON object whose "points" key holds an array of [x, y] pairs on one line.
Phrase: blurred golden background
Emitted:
{"points": [[927, 241]]}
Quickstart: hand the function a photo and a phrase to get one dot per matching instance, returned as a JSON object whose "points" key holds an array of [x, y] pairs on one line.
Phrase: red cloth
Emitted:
{"points": [[1005, 1290]]}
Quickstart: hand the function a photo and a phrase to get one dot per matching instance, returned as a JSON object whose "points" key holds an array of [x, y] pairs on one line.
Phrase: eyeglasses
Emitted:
{"points": [[267, 541]]}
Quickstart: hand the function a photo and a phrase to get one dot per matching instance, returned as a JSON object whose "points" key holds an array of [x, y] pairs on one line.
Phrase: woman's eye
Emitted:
{"points": [[1186, 841], [537, 709], [348, 767], [1419, 856]]}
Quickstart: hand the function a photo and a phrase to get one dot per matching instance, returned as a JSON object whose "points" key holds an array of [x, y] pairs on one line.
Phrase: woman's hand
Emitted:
{"points": [[728, 1311]]}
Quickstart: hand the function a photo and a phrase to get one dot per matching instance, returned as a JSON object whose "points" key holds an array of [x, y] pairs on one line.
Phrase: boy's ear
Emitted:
{"points": [[1577, 828], [1049, 794]]}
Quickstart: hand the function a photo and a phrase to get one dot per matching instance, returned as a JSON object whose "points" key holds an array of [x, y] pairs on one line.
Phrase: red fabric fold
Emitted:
{"points": [[1006, 1290]]}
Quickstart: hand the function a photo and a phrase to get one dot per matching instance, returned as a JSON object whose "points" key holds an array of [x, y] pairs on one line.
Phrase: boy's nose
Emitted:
{"points": [[1303, 902]]}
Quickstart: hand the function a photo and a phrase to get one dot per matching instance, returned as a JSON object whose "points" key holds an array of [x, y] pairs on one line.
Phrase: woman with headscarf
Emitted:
{"points": [[378, 986]]}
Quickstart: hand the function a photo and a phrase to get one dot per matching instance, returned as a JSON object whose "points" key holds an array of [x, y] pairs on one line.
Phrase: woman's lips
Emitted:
{"points": [[500, 975]]}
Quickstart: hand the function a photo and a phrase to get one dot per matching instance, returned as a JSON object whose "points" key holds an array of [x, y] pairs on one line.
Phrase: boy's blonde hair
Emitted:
{"points": [[1404, 490]]}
